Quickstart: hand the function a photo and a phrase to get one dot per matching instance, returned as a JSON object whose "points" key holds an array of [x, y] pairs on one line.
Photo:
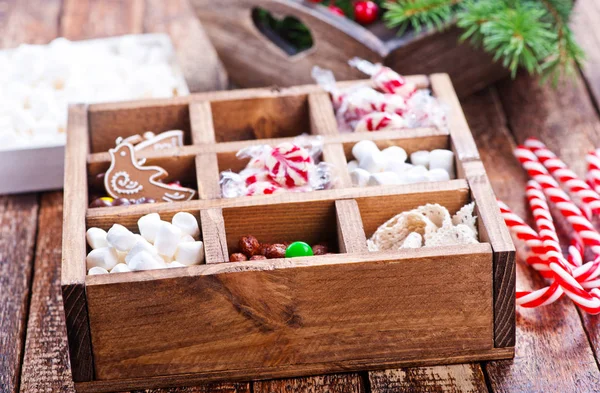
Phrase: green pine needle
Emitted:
{"points": [[418, 14]]}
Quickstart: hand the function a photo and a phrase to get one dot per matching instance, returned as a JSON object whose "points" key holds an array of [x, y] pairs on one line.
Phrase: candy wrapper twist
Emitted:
{"points": [[387, 102], [288, 167]]}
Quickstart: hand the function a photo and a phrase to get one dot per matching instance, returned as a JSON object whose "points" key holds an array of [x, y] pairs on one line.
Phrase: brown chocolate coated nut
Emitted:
{"points": [[99, 202], [276, 251], [263, 248], [249, 245], [237, 257], [257, 257], [121, 202], [319, 249]]}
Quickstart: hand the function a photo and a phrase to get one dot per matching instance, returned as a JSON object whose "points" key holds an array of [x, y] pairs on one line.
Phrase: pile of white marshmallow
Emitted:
{"points": [[372, 166], [160, 245], [37, 82]]}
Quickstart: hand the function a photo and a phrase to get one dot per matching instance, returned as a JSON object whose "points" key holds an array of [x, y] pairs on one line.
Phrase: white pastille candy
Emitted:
{"points": [[190, 253], [352, 165], [437, 174], [141, 245], [363, 149], [96, 237], [167, 239], [146, 261], [148, 225], [444, 159], [374, 162], [420, 157], [383, 178], [359, 177], [395, 153], [120, 268], [105, 257], [121, 238], [97, 270], [187, 223], [175, 264]]}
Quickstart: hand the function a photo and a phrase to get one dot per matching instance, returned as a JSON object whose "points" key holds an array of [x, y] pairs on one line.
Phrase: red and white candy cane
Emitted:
{"points": [[590, 199], [561, 200], [593, 174]]}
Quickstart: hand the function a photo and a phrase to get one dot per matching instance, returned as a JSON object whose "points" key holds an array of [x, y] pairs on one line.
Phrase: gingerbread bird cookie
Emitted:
{"points": [[126, 178]]}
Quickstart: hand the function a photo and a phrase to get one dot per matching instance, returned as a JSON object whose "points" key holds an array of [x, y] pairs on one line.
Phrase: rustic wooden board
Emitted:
{"points": [[467, 378], [337, 383], [550, 340], [295, 303], [18, 221]]}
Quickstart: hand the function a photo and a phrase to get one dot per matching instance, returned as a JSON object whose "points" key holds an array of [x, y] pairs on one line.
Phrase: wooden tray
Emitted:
{"points": [[354, 310], [253, 59]]}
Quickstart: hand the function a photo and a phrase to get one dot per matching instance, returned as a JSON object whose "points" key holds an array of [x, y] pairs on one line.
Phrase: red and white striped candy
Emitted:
{"points": [[589, 198], [389, 81], [565, 205], [593, 174], [380, 121], [288, 165], [541, 214], [263, 188]]}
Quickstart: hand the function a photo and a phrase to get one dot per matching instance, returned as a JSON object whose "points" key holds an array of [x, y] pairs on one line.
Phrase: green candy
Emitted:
{"points": [[298, 249]]}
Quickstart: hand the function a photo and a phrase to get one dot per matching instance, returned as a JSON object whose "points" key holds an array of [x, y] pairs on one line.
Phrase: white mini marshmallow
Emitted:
{"points": [[420, 157], [444, 159], [190, 253], [121, 255], [364, 148], [121, 238], [142, 245], [97, 270], [96, 237], [359, 177], [148, 226], [395, 153], [167, 239], [375, 162], [187, 239], [417, 174], [437, 174], [187, 223], [146, 261], [120, 268], [383, 178], [105, 257], [397, 166], [352, 165], [175, 264]]}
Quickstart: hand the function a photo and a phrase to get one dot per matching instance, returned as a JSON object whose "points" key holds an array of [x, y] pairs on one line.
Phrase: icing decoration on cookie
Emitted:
{"points": [[127, 178], [150, 141]]}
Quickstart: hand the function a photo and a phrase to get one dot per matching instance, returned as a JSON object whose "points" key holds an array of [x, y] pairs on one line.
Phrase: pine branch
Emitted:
{"points": [[419, 13]]}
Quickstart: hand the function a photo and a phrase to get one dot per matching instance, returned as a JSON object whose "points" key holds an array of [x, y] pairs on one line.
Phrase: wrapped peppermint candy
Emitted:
{"points": [[287, 167], [384, 78]]}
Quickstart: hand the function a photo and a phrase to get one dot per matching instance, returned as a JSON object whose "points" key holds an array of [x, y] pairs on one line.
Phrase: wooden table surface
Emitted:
{"points": [[557, 346]]}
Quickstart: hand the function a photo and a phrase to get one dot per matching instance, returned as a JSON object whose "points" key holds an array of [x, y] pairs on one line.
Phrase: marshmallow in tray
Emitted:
{"points": [[372, 166], [388, 102], [287, 167], [37, 82], [160, 244]]}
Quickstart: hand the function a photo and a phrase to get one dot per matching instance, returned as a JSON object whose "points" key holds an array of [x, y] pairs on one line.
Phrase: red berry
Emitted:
{"points": [[316, 1], [365, 12], [336, 10]]}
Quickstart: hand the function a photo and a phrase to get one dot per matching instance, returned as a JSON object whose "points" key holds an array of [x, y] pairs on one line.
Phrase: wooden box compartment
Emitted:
{"points": [[350, 310]]}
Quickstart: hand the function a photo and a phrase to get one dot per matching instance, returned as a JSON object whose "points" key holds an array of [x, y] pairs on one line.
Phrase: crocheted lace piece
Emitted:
{"points": [[426, 226]]}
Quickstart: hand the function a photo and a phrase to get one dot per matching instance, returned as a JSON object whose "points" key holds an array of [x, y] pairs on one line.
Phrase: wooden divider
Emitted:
{"points": [[214, 236], [351, 234], [201, 123]]}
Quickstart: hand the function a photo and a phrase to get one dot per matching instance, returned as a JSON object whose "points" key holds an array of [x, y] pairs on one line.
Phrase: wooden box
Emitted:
{"points": [[354, 310], [256, 56]]}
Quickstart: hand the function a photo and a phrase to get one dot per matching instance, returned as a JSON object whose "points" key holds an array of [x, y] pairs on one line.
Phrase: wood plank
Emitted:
{"points": [[587, 35], [18, 219], [202, 128], [322, 116], [337, 383], [201, 67], [351, 234], [208, 177], [467, 378], [563, 357], [46, 365], [86, 19], [213, 235], [239, 312]]}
